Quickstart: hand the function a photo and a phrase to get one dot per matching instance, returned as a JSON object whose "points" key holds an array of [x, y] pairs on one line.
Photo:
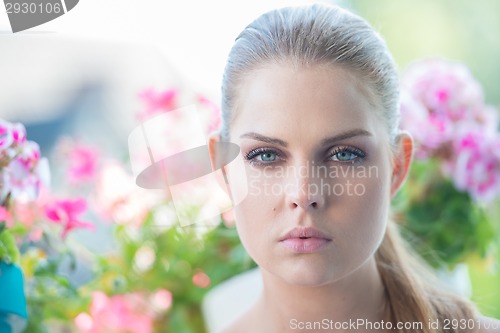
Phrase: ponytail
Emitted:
{"points": [[412, 290]]}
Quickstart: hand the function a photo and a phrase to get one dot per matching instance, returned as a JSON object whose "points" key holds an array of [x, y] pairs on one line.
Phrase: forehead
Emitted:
{"points": [[286, 100]]}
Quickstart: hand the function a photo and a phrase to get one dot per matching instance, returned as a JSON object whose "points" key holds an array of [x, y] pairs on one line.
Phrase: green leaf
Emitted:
{"points": [[9, 252]]}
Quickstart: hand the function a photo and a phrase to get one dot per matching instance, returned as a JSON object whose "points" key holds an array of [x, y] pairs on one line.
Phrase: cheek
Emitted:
{"points": [[257, 215], [253, 217], [364, 214]]}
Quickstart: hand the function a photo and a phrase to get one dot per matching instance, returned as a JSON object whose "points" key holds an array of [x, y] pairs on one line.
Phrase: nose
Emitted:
{"points": [[305, 192]]}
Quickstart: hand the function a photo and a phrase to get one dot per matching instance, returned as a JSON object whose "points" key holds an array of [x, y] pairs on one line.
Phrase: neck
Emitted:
{"points": [[361, 295]]}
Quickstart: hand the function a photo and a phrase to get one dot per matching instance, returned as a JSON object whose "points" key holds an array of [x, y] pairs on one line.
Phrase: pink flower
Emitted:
{"points": [[67, 212], [83, 163], [21, 178], [488, 118], [118, 198], [201, 280], [157, 102], [120, 313], [429, 131], [161, 300], [476, 167], [444, 88], [28, 213], [30, 154], [5, 216], [440, 101], [6, 138], [23, 172], [11, 134], [18, 133]]}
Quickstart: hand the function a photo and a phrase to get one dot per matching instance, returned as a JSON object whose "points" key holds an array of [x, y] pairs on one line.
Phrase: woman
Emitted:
{"points": [[311, 96]]}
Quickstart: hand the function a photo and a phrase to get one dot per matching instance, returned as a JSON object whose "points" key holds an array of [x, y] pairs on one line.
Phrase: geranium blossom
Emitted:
{"points": [[119, 199], [25, 173], [6, 138], [488, 118], [5, 215], [444, 88], [440, 100], [29, 212], [134, 312], [22, 169], [476, 165], [18, 133], [83, 163], [67, 213], [430, 131], [200, 279], [11, 134], [157, 102], [161, 300], [442, 106]]}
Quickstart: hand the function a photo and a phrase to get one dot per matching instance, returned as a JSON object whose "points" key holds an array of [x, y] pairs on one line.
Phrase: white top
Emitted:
{"points": [[225, 303]]}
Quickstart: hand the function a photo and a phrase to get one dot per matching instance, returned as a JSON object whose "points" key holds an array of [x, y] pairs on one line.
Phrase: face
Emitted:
{"points": [[318, 171]]}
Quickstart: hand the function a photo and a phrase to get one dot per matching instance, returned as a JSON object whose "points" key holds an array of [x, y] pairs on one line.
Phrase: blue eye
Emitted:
{"points": [[262, 156], [346, 154], [268, 157]]}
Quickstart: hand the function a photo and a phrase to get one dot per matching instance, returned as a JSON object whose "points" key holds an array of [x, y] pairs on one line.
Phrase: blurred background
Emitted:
{"points": [[80, 76]]}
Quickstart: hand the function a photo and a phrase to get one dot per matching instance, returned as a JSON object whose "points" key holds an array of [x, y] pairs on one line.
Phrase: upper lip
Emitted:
{"points": [[305, 233]]}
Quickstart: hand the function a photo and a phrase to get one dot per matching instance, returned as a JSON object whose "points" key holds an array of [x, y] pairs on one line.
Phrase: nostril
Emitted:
{"points": [[313, 204]]}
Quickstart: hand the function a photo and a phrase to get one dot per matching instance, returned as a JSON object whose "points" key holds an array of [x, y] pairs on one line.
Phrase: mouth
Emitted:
{"points": [[305, 240]]}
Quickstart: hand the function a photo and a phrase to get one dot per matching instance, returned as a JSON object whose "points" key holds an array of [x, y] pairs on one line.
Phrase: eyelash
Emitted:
{"points": [[360, 155], [251, 155]]}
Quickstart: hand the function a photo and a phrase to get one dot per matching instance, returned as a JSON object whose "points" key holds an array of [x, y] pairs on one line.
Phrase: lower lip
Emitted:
{"points": [[309, 245]]}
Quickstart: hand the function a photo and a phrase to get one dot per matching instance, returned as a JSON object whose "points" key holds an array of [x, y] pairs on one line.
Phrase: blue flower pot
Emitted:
{"points": [[13, 311]]}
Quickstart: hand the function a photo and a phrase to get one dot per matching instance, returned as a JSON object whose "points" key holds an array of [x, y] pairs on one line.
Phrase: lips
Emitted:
{"points": [[305, 240]]}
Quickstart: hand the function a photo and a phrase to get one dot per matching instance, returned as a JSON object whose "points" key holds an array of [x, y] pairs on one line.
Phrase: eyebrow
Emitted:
{"points": [[263, 138], [345, 135], [327, 141]]}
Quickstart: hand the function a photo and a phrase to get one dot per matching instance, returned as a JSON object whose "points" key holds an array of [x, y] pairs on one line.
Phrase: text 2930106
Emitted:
{"points": [[33, 8]]}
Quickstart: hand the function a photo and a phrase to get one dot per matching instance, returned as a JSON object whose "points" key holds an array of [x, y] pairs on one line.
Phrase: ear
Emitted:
{"points": [[215, 153], [213, 138], [402, 159], [213, 150]]}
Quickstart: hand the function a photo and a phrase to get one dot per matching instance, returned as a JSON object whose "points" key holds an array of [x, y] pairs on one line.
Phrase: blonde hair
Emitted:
{"points": [[413, 291], [321, 34]]}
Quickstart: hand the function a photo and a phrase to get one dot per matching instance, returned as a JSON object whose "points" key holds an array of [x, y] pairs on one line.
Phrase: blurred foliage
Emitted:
{"points": [[182, 252], [179, 254], [445, 225], [462, 30]]}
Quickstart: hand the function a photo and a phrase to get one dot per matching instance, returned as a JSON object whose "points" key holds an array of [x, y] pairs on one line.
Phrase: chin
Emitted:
{"points": [[307, 274]]}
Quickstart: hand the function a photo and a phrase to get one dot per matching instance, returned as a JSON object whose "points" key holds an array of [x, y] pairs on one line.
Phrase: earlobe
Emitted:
{"points": [[402, 161]]}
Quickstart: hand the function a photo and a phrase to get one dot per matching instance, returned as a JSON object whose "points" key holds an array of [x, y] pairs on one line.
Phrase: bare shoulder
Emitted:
{"points": [[489, 325]]}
